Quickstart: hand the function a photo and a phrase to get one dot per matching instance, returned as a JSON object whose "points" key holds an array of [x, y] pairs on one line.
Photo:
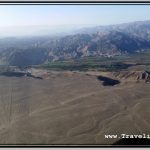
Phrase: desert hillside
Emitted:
{"points": [[71, 108]]}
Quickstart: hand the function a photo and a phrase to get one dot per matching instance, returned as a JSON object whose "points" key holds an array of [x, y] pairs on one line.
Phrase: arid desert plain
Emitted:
{"points": [[72, 108]]}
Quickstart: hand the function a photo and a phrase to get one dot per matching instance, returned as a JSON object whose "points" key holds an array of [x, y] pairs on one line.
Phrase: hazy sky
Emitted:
{"points": [[22, 15]]}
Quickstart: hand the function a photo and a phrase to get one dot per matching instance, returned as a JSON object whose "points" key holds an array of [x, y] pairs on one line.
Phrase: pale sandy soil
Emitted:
{"points": [[70, 108]]}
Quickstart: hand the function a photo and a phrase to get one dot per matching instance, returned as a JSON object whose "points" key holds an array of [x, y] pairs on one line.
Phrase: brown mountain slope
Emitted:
{"points": [[70, 109]]}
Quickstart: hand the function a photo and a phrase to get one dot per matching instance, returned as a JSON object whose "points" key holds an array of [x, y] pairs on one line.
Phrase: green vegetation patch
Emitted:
{"points": [[89, 63]]}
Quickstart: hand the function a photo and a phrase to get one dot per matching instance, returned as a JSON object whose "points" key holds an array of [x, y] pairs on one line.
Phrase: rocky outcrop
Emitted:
{"points": [[133, 75]]}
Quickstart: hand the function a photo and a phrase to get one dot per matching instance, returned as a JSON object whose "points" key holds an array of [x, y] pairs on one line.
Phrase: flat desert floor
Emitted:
{"points": [[71, 109]]}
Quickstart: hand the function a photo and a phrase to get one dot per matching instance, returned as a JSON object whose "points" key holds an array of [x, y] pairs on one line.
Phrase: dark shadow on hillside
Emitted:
{"points": [[18, 74], [108, 81], [133, 141], [12, 74], [32, 76]]}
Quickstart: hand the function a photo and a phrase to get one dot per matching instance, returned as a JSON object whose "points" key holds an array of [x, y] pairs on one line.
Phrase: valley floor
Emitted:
{"points": [[71, 109]]}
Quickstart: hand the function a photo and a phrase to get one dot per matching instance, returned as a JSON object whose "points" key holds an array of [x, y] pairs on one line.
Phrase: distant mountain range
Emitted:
{"points": [[106, 41]]}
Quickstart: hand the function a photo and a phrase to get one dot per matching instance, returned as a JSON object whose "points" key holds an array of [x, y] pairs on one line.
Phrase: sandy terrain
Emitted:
{"points": [[70, 108]]}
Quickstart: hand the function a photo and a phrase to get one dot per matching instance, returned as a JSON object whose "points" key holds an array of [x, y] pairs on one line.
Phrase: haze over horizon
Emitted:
{"points": [[41, 19]]}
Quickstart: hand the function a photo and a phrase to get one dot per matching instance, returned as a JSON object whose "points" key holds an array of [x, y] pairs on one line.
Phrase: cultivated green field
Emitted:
{"points": [[116, 63]]}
